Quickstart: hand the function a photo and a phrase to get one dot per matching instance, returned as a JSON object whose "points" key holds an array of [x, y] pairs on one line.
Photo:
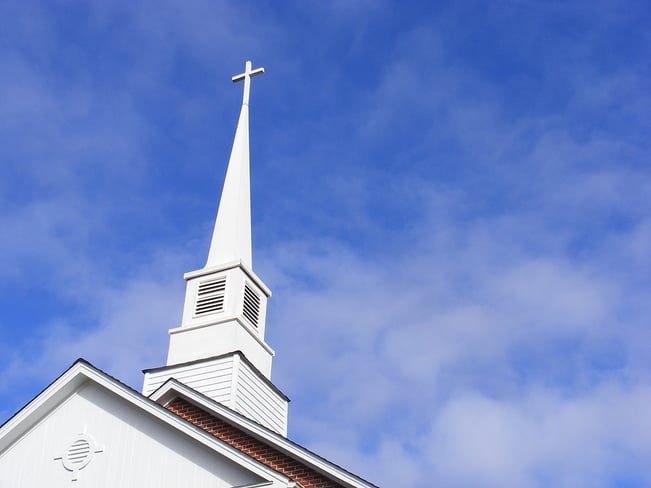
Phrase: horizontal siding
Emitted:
{"points": [[212, 378], [254, 411], [260, 393], [258, 401], [254, 397]]}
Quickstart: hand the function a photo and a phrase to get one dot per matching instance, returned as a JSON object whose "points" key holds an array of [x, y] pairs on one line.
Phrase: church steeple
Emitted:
{"points": [[219, 349], [231, 238]]}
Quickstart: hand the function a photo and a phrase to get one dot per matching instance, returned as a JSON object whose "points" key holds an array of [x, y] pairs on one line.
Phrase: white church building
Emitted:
{"points": [[211, 417]]}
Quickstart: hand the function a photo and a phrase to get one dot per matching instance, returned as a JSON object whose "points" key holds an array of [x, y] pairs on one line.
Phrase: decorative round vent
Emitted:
{"points": [[79, 454]]}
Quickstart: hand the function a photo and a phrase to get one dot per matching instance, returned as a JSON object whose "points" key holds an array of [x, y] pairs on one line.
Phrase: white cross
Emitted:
{"points": [[246, 76]]}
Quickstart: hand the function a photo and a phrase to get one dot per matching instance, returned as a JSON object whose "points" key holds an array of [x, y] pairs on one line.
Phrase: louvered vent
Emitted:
{"points": [[210, 296], [251, 305], [79, 453]]}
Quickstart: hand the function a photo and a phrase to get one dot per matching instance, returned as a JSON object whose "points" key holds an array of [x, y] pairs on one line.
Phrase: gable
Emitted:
{"points": [[87, 429], [120, 445]]}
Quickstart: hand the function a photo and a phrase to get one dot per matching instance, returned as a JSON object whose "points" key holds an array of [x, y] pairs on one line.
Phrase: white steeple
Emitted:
{"points": [[231, 238], [219, 349]]}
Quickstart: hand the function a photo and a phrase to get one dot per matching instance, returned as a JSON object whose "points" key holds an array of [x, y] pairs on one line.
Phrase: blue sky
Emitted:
{"points": [[450, 205]]}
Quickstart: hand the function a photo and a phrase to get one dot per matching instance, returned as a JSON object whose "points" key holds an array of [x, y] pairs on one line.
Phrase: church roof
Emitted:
{"points": [[230, 435], [255, 439]]}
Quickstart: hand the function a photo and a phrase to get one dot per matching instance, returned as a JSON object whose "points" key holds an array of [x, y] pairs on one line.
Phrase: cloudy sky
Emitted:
{"points": [[450, 205]]}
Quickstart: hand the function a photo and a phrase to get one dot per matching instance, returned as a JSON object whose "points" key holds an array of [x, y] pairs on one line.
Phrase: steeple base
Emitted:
{"points": [[231, 380]]}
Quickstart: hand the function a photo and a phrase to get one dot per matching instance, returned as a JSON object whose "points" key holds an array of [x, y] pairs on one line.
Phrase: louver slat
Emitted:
{"points": [[251, 309], [78, 452], [210, 296]]}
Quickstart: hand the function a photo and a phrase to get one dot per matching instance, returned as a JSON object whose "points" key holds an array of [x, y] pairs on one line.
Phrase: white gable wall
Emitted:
{"points": [[136, 450]]}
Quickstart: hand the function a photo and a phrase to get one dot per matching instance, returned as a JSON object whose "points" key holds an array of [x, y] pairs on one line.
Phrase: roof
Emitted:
{"points": [[248, 443], [172, 391]]}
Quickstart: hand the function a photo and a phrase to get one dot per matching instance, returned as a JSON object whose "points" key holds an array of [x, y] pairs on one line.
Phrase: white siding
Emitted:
{"points": [[259, 401], [213, 378], [232, 382], [136, 450]]}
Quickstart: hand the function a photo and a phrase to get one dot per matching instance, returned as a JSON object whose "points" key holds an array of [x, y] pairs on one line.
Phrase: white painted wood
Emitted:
{"points": [[16, 463], [231, 240], [136, 449], [213, 378], [231, 324], [219, 327], [246, 76], [231, 381], [257, 400], [226, 331], [192, 343]]}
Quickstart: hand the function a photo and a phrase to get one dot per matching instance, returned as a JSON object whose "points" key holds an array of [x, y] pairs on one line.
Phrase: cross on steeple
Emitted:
{"points": [[246, 76]]}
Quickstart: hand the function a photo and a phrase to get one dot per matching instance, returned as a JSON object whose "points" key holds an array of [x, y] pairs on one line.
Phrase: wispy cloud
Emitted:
{"points": [[450, 206]]}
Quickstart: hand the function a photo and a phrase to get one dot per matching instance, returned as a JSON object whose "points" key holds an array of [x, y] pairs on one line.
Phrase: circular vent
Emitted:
{"points": [[78, 454]]}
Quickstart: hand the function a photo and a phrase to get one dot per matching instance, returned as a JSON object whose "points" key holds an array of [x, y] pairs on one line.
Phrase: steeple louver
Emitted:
{"points": [[251, 305], [210, 296]]}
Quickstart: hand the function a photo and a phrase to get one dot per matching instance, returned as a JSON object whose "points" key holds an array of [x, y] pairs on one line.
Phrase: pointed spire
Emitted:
{"points": [[219, 349], [231, 238]]}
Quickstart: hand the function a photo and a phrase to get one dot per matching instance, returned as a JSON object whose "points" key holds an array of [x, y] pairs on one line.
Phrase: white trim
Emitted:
{"points": [[235, 376], [245, 325], [196, 315], [266, 483], [172, 388], [225, 267]]}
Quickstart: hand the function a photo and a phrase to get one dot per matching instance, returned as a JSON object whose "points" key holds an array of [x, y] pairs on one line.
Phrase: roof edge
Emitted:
{"points": [[173, 388], [82, 372]]}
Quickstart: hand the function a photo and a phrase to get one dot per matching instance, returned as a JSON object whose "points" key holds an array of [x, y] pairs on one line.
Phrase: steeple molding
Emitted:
{"points": [[233, 264]]}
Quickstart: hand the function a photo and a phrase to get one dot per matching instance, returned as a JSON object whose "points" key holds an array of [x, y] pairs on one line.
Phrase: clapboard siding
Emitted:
{"points": [[232, 381], [251, 391], [259, 401], [213, 378]]}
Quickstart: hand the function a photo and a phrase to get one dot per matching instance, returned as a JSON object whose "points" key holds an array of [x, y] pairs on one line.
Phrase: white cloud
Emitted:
{"points": [[541, 438], [482, 322]]}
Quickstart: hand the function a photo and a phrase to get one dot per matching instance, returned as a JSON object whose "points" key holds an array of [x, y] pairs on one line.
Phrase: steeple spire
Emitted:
{"points": [[231, 238], [219, 348]]}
